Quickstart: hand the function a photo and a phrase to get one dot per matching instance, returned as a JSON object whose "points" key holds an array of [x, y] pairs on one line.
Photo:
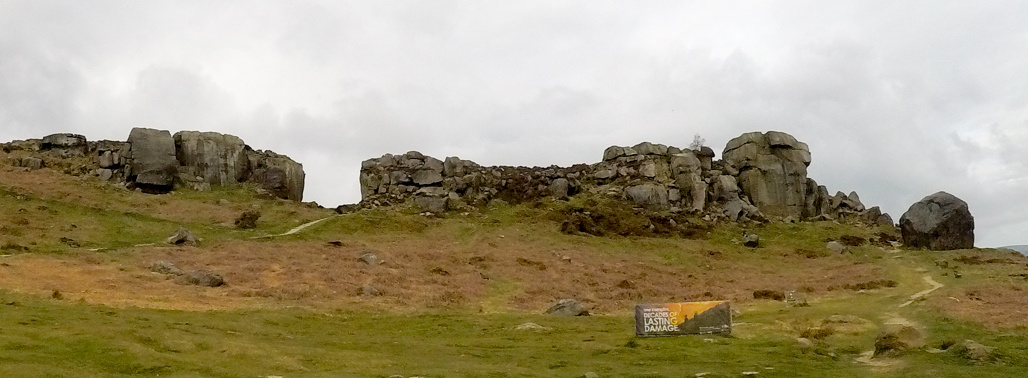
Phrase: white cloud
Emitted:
{"points": [[896, 100]]}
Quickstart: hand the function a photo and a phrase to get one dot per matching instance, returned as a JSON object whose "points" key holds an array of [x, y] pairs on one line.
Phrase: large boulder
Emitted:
{"points": [[649, 195], [218, 159], [940, 221], [772, 171], [64, 141], [278, 174], [153, 164]]}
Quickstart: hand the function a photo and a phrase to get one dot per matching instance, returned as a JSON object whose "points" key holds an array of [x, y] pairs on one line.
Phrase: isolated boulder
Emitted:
{"points": [[203, 278], [567, 307], [940, 222], [248, 219], [153, 164], [182, 237], [218, 159], [772, 171], [896, 339]]}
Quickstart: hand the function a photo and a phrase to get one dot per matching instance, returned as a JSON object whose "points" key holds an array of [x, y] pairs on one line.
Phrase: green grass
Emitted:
{"points": [[48, 337], [42, 337]]}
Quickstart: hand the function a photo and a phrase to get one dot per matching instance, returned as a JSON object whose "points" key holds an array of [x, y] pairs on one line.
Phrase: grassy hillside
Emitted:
{"points": [[79, 298]]}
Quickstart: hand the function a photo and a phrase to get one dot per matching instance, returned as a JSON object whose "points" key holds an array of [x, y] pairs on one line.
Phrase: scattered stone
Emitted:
{"points": [[370, 291], [751, 240], [531, 327], [972, 350], [164, 267], [32, 163], [203, 278], [369, 258], [897, 339], [70, 242], [836, 247], [248, 219], [590, 375], [940, 221], [182, 237], [567, 307]]}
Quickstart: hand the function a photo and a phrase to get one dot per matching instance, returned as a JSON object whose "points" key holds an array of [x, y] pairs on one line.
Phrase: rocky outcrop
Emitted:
{"points": [[214, 158], [940, 221], [440, 185], [152, 163], [772, 171], [762, 175], [156, 162], [281, 176]]}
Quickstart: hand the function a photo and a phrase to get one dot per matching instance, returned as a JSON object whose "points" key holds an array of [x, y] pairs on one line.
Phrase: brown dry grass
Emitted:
{"points": [[433, 270], [992, 290]]}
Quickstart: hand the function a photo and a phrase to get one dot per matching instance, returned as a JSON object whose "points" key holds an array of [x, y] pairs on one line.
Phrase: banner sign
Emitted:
{"points": [[688, 318]]}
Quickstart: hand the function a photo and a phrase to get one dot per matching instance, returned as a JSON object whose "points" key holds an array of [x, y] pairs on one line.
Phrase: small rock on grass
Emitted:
{"points": [[182, 237], [972, 350], [751, 241], [202, 278], [567, 307], [165, 267], [531, 327]]}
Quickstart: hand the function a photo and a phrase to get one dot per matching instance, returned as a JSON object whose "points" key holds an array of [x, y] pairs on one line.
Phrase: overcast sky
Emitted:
{"points": [[897, 99]]}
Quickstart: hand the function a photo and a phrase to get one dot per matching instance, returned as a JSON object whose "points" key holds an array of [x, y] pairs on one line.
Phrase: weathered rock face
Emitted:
{"points": [[278, 174], [153, 166], [769, 166], [64, 141], [155, 161], [772, 171], [218, 159], [940, 221]]}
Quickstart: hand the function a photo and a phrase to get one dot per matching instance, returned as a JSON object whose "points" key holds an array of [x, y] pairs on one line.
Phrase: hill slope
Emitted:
{"points": [[448, 292]]}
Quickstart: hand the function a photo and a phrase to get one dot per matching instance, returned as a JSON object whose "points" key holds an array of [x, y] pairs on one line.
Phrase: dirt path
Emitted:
{"points": [[297, 228], [935, 286]]}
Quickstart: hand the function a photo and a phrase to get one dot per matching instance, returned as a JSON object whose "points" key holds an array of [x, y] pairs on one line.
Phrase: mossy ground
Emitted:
{"points": [[453, 290]]}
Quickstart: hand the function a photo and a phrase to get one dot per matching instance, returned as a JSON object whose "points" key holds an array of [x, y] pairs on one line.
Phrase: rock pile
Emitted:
{"points": [[761, 176], [155, 161], [453, 184]]}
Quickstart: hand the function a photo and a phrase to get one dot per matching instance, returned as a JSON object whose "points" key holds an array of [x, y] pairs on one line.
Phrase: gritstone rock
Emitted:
{"points": [[220, 159], [248, 219], [165, 267], [72, 143], [567, 307], [202, 278], [751, 241], [974, 351], [940, 221], [772, 171], [650, 195], [182, 237], [154, 165], [278, 174], [896, 339]]}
